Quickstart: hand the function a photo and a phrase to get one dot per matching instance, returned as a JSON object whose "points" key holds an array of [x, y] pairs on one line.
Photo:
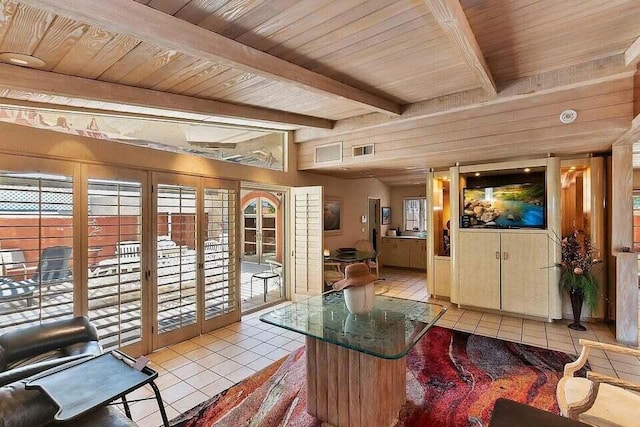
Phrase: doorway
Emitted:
{"points": [[374, 222], [262, 278]]}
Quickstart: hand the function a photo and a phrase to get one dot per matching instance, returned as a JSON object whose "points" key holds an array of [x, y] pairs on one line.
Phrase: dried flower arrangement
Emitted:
{"points": [[578, 258]]}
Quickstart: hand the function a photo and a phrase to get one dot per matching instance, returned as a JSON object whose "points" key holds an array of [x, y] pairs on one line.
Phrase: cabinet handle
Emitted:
{"points": [[497, 255], [505, 256]]}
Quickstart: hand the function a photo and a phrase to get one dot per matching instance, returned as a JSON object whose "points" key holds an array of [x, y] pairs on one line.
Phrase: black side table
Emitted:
{"points": [[80, 387], [507, 413]]}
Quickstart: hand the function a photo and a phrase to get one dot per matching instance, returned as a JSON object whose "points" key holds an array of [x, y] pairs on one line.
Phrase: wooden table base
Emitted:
{"points": [[349, 388]]}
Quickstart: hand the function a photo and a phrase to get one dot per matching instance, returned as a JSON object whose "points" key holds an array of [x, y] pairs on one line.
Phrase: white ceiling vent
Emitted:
{"points": [[329, 153], [363, 150]]}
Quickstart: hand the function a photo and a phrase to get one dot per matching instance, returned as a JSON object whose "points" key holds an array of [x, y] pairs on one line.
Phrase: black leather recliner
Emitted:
{"points": [[34, 349], [25, 352]]}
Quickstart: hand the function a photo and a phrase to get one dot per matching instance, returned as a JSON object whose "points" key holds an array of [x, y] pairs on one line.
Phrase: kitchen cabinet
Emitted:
{"points": [[404, 252], [505, 270]]}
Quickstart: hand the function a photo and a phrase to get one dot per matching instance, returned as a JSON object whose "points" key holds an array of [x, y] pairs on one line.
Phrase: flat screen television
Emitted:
{"points": [[506, 206]]}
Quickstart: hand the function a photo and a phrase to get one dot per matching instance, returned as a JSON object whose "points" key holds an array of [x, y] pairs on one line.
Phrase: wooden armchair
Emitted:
{"points": [[598, 399]]}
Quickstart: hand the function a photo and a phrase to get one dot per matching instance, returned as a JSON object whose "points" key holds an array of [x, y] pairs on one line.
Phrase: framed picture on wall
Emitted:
{"points": [[332, 215], [386, 216]]}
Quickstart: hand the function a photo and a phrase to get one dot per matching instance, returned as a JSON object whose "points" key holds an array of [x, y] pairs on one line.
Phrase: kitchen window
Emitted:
{"points": [[415, 214]]}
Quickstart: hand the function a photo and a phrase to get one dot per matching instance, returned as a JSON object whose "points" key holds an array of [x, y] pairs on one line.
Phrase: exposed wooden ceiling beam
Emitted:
{"points": [[606, 69], [152, 26], [631, 136], [632, 54], [44, 82], [453, 21]]}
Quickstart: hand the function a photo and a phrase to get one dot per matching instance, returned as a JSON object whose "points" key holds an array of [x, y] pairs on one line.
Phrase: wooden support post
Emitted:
{"points": [[349, 388], [622, 238], [554, 229]]}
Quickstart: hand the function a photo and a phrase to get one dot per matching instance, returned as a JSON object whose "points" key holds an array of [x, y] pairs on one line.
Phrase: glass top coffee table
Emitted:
{"points": [[356, 364]]}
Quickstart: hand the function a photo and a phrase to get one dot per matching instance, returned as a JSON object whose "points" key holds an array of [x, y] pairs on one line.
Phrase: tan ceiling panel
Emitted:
{"points": [[27, 27], [59, 39], [111, 53], [92, 42], [521, 128], [7, 12], [520, 38], [393, 50]]}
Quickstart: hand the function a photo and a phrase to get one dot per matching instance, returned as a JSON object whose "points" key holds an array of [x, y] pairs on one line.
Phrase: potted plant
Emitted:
{"points": [[578, 258]]}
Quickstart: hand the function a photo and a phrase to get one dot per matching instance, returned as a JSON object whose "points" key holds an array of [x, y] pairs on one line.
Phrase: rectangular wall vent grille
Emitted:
{"points": [[363, 150], [329, 153]]}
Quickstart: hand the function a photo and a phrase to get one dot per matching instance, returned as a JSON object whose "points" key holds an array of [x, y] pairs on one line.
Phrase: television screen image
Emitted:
{"points": [[514, 205]]}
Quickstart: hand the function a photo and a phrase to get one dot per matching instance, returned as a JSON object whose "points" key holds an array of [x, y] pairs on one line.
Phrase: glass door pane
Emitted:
{"points": [[250, 232], [220, 265], [115, 276], [267, 231], [36, 241], [176, 258]]}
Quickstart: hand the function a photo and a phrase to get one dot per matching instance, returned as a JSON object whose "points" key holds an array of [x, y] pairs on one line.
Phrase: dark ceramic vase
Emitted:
{"points": [[576, 306]]}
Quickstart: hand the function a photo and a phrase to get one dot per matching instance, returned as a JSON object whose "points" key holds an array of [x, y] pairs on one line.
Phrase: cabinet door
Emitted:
{"points": [[388, 252], [442, 277], [418, 254], [403, 253], [480, 269], [525, 273]]}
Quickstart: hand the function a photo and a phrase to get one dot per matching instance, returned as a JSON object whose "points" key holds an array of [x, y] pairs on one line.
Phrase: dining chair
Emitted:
{"points": [[366, 246], [332, 273]]}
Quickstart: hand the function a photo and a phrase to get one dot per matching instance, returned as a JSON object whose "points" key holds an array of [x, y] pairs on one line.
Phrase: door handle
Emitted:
{"points": [[497, 255], [505, 256]]}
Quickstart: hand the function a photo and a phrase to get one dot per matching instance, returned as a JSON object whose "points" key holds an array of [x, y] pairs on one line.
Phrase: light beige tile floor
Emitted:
{"points": [[195, 370]]}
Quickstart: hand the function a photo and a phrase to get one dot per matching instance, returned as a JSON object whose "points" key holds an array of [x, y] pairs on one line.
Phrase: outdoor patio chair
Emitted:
{"points": [[276, 268], [54, 264], [12, 261], [16, 291]]}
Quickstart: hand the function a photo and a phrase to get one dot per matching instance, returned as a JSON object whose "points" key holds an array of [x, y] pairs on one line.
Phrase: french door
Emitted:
{"points": [[195, 268], [260, 230], [150, 258], [221, 303], [116, 281]]}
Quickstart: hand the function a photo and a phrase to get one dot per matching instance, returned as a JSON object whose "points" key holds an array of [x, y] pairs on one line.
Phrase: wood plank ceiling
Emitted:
{"points": [[397, 51]]}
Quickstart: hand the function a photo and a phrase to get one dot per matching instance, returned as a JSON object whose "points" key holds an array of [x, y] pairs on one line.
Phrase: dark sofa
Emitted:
{"points": [[34, 349]]}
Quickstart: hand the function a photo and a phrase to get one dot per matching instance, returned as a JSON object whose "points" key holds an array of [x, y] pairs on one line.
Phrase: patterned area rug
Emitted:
{"points": [[453, 379]]}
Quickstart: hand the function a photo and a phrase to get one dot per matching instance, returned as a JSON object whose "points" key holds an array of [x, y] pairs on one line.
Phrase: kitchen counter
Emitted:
{"points": [[404, 251]]}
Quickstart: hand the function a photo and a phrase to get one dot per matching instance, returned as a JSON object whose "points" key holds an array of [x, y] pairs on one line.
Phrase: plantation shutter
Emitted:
{"points": [[307, 241]]}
